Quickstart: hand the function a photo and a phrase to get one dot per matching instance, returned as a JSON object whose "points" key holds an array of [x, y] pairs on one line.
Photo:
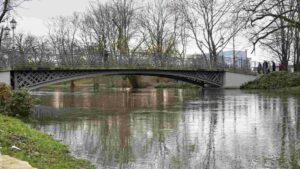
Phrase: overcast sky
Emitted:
{"points": [[32, 17]]}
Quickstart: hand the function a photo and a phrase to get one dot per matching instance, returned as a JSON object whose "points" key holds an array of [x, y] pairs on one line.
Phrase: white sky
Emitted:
{"points": [[32, 17]]}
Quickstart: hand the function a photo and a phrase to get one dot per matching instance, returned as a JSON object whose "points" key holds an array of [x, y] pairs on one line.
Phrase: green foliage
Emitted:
{"points": [[15, 103], [40, 150], [21, 103], [297, 67], [5, 98], [274, 80]]}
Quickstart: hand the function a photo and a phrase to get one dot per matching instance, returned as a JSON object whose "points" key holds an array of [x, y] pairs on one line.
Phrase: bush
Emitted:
{"points": [[21, 103], [274, 80], [5, 98], [15, 103]]}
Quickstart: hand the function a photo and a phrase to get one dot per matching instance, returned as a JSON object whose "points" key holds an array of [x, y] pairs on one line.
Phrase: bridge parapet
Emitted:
{"points": [[17, 60]]}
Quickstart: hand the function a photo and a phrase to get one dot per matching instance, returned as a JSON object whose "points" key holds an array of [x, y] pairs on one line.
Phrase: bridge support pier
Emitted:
{"points": [[236, 80]]}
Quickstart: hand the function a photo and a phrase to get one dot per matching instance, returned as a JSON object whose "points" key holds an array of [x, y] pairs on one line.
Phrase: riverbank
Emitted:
{"points": [[40, 150], [277, 82]]}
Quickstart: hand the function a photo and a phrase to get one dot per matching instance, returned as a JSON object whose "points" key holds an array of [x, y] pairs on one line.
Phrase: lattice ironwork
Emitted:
{"points": [[36, 78]]}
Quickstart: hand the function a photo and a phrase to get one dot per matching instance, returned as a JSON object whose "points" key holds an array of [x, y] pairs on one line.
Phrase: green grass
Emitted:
{"points": [[275, 80], [40, 150], [290, 90]]}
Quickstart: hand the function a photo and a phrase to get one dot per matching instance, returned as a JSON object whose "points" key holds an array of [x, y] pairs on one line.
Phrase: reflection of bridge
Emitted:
{"points": [[32, 79]]}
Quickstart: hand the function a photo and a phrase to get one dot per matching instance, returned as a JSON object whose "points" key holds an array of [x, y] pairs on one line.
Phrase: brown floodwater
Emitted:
{"points": [[173, 128]]}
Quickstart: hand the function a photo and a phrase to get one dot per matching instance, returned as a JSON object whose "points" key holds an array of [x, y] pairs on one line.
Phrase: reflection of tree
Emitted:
{"points": [[144, 129], [110, 137], [116, 141], [210, 159], [290, 153]]}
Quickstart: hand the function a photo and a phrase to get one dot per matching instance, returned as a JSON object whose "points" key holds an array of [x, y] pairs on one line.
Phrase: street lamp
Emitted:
{"points": [[6, 31], [222, 43], [13, 24]]}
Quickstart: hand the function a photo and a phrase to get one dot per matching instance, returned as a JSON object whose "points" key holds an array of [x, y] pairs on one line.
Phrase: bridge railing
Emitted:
{"points": [[92, 60]]}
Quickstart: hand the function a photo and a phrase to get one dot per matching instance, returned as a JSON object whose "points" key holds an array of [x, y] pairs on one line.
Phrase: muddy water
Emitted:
{"points": [[174, 128]]}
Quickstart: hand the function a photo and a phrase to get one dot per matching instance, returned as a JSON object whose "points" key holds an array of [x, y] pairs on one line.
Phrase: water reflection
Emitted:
{"points": [[175, 128]]}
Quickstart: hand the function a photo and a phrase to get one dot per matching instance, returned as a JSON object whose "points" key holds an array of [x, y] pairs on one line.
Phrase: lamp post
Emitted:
{"points": [[13, 24], [222, 43]]}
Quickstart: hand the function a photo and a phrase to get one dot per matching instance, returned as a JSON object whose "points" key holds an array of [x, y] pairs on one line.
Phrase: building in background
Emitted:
{"points": [[241, 60]]}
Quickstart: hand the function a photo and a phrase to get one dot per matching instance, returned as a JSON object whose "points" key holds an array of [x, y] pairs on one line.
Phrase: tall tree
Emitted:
{"points": [[280, 41], [5, 7], [123, 14], [276, 26], [207, 20], [159, 25], [63, 34], [98, 25]]}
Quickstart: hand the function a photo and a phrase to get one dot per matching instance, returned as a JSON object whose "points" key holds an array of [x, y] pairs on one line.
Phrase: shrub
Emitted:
{"points": [[274, 80], [21, 104], [15, 103], [5, 98]]}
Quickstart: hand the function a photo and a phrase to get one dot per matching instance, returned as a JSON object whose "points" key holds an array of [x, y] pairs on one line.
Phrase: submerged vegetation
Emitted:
{"points": [[284, 81]]}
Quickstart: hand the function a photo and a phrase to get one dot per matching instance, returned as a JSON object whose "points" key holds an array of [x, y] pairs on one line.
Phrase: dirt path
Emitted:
{"points": [[7, 162]]}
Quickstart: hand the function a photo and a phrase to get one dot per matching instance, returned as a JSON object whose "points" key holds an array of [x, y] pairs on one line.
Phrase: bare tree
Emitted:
{"points": [[159, 25], [280, 41], [32, 51], [264, 13], [210, 24], [276, 26], [8, 5], [5, 7], [183, 40], [123, 13], [264, 9], [63, 34], [98, 31]]}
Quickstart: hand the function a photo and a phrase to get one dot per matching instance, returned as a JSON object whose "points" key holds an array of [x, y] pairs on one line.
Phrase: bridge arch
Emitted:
{"points": [[32, 79]]}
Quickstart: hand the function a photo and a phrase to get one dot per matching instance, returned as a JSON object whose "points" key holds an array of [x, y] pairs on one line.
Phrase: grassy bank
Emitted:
{"points": [[39, 149], [277, 82]]}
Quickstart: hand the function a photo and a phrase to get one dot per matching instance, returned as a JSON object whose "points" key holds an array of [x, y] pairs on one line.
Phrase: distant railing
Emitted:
{"points": [[87, 60]]}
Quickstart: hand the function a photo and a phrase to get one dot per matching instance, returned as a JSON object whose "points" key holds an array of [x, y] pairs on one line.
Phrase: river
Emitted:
{"points": [[173, 128]]}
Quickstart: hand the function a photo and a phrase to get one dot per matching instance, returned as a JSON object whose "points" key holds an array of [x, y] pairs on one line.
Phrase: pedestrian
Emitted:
{"points": [[105, 58], [265, 67], [282, 67], [273, 66], [259, 68]]}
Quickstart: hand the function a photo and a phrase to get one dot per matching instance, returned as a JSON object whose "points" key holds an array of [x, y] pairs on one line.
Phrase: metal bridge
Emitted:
{"points": [[32, 71], [32, 79]]}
